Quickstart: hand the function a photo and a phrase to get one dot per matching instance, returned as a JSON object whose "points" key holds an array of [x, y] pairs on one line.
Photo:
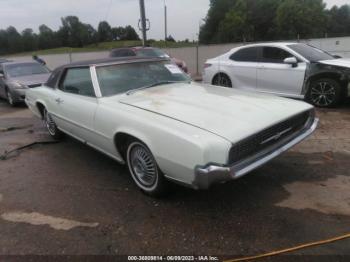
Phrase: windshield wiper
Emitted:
{"points": [[152, 85]]}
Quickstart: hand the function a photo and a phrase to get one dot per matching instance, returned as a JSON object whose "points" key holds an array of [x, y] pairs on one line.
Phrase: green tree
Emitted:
{"points": [[47, 38], [104, 32], [130, 33], [235, 25], [29, 40], [338, 23], [4, 47], [303, 18], [209, 30], [266, 20], [74, 33], [14, 40]]}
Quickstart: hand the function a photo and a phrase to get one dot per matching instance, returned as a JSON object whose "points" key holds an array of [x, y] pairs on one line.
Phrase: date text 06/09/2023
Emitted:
{"points": [[173, 258]]}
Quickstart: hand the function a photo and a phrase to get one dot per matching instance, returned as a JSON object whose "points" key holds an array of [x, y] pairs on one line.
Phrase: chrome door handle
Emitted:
{"points": [[59, 100]]}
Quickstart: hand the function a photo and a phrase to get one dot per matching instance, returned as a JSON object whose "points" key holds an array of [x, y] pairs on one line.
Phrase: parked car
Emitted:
{"points": [[286, 69], [17, 77], [147, 52], [148, 114]]}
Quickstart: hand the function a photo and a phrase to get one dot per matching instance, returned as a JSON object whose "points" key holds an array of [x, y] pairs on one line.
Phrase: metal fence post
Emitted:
{"points": [[197, 59]]}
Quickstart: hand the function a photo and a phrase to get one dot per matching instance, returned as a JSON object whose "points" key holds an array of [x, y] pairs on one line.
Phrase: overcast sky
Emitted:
{"points": [[184, 16]]}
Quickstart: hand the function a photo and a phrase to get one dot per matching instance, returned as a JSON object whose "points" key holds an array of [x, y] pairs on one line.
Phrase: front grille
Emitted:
{"points": [[266, 138], [34, 85]]}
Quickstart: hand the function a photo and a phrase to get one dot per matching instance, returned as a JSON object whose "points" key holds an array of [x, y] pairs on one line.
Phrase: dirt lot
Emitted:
{"points": [[66, 198]]}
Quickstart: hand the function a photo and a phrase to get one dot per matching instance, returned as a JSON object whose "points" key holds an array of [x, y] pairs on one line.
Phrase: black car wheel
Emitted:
{"points": [[144, 169], [222, 80], [324, 93], [51, 126]]}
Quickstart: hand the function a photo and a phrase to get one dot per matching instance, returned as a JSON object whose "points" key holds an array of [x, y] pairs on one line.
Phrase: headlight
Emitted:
{"points": [[18, 85]]}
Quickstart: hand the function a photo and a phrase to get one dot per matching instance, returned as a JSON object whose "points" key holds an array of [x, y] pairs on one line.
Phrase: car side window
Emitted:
{"points": [[274, 55], [53, 79], [249, 54], [77, 81], [123, 53]]}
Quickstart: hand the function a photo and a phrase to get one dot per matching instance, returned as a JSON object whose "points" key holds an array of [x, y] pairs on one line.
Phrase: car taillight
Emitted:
{"points": [[206, 65]]}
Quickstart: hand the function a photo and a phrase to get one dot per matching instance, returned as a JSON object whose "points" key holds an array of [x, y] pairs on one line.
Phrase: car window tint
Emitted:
{"points": [[274, 55], [78, 81], [311, 53], [249, 54]]}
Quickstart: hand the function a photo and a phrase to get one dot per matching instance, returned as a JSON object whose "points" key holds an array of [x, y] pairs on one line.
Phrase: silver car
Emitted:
{"points": [[17, 77]]}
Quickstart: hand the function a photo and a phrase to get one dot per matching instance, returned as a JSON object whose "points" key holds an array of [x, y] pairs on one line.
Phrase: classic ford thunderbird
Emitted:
{"points": [[148, 114]]}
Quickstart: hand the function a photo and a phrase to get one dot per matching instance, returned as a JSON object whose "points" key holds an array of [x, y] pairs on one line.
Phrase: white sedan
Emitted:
{"points": [[286, 69], [147, 113]]}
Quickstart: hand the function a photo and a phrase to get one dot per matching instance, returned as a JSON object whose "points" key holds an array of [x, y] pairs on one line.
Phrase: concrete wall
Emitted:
{"points": [[195, 57], [338, 46]]}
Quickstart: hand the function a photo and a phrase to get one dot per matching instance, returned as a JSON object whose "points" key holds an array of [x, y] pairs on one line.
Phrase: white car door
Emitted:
{"points": [[242, 68], [76, 103], [275, 76]]}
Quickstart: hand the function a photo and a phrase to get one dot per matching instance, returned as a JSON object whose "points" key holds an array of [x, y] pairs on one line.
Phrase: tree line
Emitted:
{"points": [[266, 20], [72, 33]]}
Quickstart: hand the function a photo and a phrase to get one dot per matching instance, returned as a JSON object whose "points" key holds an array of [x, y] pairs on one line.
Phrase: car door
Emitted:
{"points": [[242, 68], [76, 103], [275, 76]]}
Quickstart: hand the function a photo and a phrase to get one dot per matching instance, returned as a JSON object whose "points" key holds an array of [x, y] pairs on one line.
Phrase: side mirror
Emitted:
{"points": [[291, 61]]}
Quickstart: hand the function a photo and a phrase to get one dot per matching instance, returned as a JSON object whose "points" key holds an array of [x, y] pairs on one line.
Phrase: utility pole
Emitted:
{"points": [[165, 21], [143, 22]]}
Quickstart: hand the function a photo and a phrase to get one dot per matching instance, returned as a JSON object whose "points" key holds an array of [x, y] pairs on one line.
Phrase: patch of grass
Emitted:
{"points": [[103, 46]]}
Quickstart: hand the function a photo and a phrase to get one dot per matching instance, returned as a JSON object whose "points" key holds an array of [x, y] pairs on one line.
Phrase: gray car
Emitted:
{"points": [[17, 77]]}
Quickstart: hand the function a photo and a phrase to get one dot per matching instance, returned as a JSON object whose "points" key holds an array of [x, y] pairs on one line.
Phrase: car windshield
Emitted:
{"points": [[311, 53], [152, 53], [16, 70], [122, 78]]}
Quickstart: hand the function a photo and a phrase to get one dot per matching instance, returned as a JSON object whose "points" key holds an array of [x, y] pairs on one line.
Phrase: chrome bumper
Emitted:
{"points": [[210, 174]]}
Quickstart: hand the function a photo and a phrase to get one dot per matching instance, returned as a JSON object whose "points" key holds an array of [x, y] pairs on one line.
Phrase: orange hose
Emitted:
{"points": [[274, 253]]}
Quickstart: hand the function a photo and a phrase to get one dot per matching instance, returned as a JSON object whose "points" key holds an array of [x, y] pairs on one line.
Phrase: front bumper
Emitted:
{"points": [[210, 174], [18, 95]]}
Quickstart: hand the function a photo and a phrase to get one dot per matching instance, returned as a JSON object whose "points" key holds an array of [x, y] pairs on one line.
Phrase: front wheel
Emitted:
{"points": [[51, 126], [10, 98], [324, 93], [144, 170]]}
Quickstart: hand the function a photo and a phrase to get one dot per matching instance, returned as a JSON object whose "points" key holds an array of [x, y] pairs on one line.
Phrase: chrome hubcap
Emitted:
{"points": [[143, 166], [323, 94], [50, 124]]}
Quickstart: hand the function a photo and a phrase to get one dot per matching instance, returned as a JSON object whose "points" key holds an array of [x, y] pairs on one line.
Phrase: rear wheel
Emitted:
{"points": [[222, 80], [324, 92], [51, 126], [144, 170]]}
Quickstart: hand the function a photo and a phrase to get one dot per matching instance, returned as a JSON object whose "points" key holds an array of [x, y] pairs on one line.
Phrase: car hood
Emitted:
{"points": [[343, 62], [31, 79], [229, 113]]}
